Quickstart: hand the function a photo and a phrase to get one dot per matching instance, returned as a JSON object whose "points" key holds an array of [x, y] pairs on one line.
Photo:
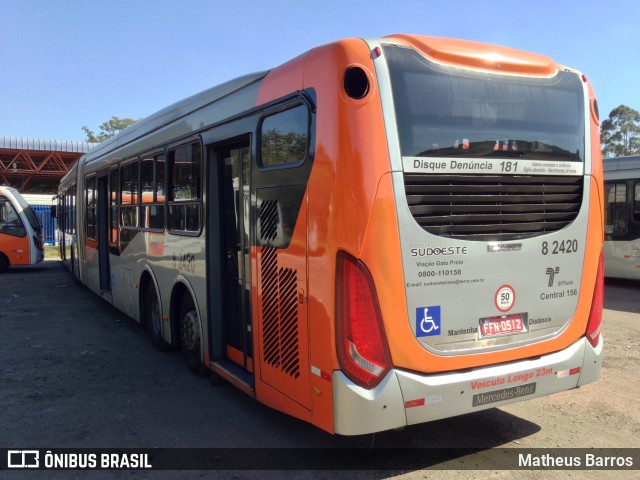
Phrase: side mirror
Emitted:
{"points": [[54, 209]]}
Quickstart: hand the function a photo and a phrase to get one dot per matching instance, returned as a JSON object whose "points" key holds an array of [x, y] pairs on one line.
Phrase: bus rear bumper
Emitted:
{"points": [[407, 398]]}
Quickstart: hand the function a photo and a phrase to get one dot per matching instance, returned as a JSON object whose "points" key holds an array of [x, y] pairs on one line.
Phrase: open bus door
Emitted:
{"points": [[103, 236], [278, 273], [229, 265]]}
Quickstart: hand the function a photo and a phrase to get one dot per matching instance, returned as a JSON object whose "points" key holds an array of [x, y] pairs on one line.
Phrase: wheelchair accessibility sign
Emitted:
{"points": [[428, 321]]}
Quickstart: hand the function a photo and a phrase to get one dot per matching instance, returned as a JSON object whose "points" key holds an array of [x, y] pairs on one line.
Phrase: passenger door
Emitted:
{"points": [[234, 166], [103, 235]]}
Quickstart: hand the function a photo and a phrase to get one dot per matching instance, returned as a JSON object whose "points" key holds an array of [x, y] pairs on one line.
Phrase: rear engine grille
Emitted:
{"points": [[492, 207]]}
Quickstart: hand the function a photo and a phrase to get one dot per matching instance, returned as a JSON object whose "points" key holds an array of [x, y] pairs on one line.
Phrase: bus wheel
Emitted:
{"points": [[4, 263], [153, 318], [190, 335]]}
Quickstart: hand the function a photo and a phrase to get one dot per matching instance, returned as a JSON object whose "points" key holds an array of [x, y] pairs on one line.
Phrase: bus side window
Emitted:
{"points": [[156, 213], [616, 209], [284, 138], [185, 189], [152, 192], [113, 207], [90, 202], [636, 202], [129, 195], [72, 227], [10, 223]]}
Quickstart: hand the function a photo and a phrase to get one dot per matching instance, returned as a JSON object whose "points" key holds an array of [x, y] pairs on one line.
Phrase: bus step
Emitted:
{"points": [[234, 374]]}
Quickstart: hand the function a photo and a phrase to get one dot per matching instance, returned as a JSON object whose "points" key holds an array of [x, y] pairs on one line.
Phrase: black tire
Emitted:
{"points": [[4, 263], [152, 315], [190, 336]]}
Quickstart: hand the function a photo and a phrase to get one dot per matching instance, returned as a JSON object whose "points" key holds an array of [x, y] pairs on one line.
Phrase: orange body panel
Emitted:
{"points": [[16, 249], [280, 82], [351, 158], [237, 356], [350, 135], [465, 53], [352, 208]]}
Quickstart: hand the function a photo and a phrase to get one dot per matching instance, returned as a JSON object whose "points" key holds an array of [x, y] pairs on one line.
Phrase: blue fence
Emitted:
{"points": [[43, 212]]}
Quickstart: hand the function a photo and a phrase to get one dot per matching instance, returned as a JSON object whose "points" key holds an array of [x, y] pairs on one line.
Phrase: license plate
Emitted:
{"points": [[503, 325]]}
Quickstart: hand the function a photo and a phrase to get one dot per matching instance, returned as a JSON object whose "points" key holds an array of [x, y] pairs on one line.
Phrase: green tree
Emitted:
{"points": [[108, 129], [620, 133]]}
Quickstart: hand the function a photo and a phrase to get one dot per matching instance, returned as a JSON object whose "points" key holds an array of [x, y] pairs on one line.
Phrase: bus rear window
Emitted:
{"points": [[445, 111]]}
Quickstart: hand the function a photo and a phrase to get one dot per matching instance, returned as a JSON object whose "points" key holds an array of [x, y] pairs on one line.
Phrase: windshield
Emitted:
{"points": [[444, 111], [28, 212], [33, 219]]}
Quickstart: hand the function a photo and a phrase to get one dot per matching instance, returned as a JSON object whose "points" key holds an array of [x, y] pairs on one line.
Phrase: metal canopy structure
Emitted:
{"points": [[35, 165]]}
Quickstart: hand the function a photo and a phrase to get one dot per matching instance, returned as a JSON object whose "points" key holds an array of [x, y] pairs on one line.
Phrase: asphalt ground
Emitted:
{"points": [[76, 373]]}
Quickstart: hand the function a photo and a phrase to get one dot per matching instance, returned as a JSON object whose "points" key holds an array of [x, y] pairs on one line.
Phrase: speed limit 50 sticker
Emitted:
{"points": [[505, 298]]}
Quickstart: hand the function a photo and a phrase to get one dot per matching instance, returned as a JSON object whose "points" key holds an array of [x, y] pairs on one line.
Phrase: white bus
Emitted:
{"points": [[20, 231], [622, 217]]}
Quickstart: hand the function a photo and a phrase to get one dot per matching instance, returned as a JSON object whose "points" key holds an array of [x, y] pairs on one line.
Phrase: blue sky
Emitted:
{"points": [[65, 64]]}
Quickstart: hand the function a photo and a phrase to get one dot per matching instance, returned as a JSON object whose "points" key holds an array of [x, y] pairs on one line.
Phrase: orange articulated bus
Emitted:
{"points": [[378, 233], [20, 231]]}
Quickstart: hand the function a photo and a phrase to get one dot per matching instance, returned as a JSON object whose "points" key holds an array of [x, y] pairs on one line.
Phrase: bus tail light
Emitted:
{"points": [[595, 317], [361, 343]]}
